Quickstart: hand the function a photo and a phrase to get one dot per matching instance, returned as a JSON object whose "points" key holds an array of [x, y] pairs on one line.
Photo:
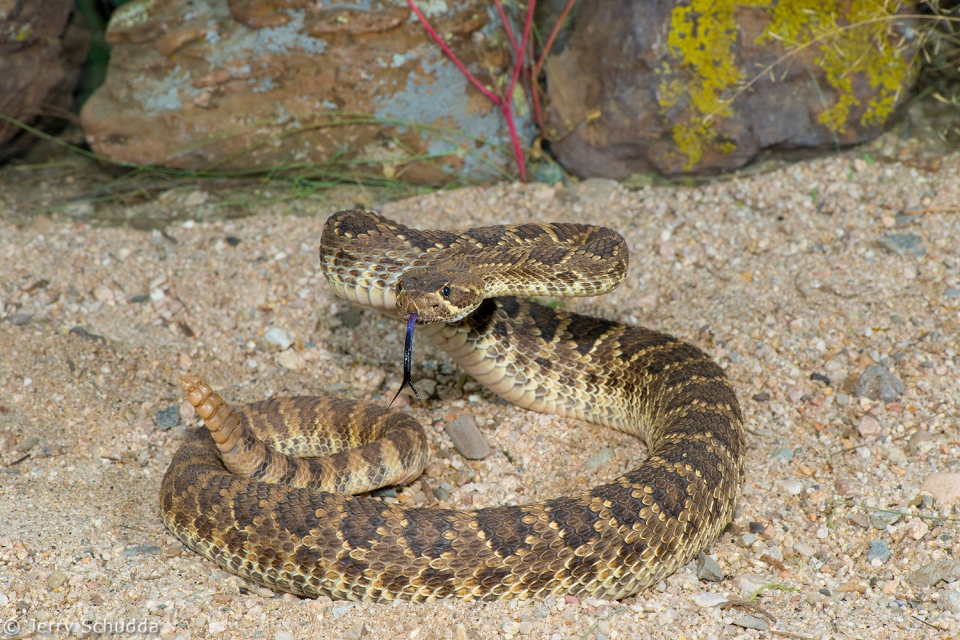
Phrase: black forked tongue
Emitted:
{"points": [[408, 360]]}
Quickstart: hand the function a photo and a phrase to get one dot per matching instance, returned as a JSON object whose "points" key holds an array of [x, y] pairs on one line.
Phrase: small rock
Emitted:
{"points": [[279, 337], [859, 519], [917, 441], [847, 487], [789, 486], [20, 319], [56, 579], [103, 293], [427, 387], [879, 550], [350, 317], [26, 444], [217, 626], [597, 189], [903, 243], [548, 173], [952, 292], [869, 426], [467, 438], [526, 627], [804, 549], [877, 383], [750, 622], [947, 570], [291, 359], [883, 519], [747, 539], [750, 584], [785, 454], [7, 442], [511, 627], [949, 601], [709, 600], [944, 487], [283, 635], [142, 549], [842, 399], [168, 417], [440, 493], [708, 569], [4, 599], [598, 458]]}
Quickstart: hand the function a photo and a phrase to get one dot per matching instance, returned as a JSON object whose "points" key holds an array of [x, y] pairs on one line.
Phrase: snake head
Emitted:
{"points": [[438, 295]]}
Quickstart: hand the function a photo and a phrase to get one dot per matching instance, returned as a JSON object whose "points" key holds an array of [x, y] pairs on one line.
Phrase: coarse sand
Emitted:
{"points": [[797, 281]]}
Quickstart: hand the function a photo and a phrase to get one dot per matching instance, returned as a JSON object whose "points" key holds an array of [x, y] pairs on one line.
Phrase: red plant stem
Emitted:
{"points": [[443, 45], [508, 98], [507, 27], [534, 88], [552, 37]]}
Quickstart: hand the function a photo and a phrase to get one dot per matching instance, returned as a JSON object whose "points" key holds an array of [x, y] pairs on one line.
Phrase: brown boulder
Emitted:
{"points": [[652, 86], [261, 83], [40, 60]]}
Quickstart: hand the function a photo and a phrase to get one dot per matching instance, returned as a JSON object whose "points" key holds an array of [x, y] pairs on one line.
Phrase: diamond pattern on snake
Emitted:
{"points": [[275, 491]]}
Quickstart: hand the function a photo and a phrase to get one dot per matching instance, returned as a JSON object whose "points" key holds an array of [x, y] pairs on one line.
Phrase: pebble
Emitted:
{"points": [[879, 550], [548, 173], [947, 570], [903, 243], [882, 519], [868, 426], [803, 549], [283, 635], [877, 383], [3, 600], [511, 627], [785, 454], [526, 627], [598, 458], [917, 440], [750, 622], [217, 626], [847, 487], [944, 487], [20, 319], [342, 609], [291, 359], [708, 569], [142, 549], [949, 601], [168, 417], [952, 292], [842, 399], [467, 438], [710, 600], [426, 387], [56, 579], [789, 486], [7, 442], [279, 337], [26, 444], [749, 584]]}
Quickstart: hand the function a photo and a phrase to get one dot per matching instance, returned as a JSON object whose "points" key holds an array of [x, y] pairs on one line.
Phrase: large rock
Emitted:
{"points": [[260, 83], [644, 86], [40, 60]]}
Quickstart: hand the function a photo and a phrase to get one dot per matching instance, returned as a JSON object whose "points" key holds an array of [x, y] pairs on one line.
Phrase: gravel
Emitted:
{"points": [[770, 283]]}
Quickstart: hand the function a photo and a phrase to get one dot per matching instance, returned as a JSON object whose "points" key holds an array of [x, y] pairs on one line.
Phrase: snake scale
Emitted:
{"points": [[258, 500]]}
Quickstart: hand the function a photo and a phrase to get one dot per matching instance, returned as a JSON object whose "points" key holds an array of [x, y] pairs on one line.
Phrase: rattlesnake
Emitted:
{"points": [[276, 521]]}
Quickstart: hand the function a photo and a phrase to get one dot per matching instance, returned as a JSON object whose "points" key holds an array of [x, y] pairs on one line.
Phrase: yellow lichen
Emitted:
{"points": [[702, 41]]}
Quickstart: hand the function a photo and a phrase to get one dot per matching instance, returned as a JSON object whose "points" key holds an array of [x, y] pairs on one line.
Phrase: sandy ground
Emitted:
{"points": [[806, 270]]}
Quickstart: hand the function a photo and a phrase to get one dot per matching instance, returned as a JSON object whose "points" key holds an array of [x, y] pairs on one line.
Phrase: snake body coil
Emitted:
{"points": [[275, 520]]}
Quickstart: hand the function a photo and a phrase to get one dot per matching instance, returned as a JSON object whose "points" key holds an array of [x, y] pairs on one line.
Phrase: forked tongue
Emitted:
{"points": [[408, 360]]}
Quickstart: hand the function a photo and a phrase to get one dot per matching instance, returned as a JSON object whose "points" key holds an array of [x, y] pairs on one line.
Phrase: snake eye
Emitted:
{"points": [[399, 286], [446, 292]]}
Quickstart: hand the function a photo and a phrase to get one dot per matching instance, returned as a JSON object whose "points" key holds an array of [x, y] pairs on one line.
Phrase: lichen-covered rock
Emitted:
{"points": [[698, 87], [41, 53], [258, 83]]}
